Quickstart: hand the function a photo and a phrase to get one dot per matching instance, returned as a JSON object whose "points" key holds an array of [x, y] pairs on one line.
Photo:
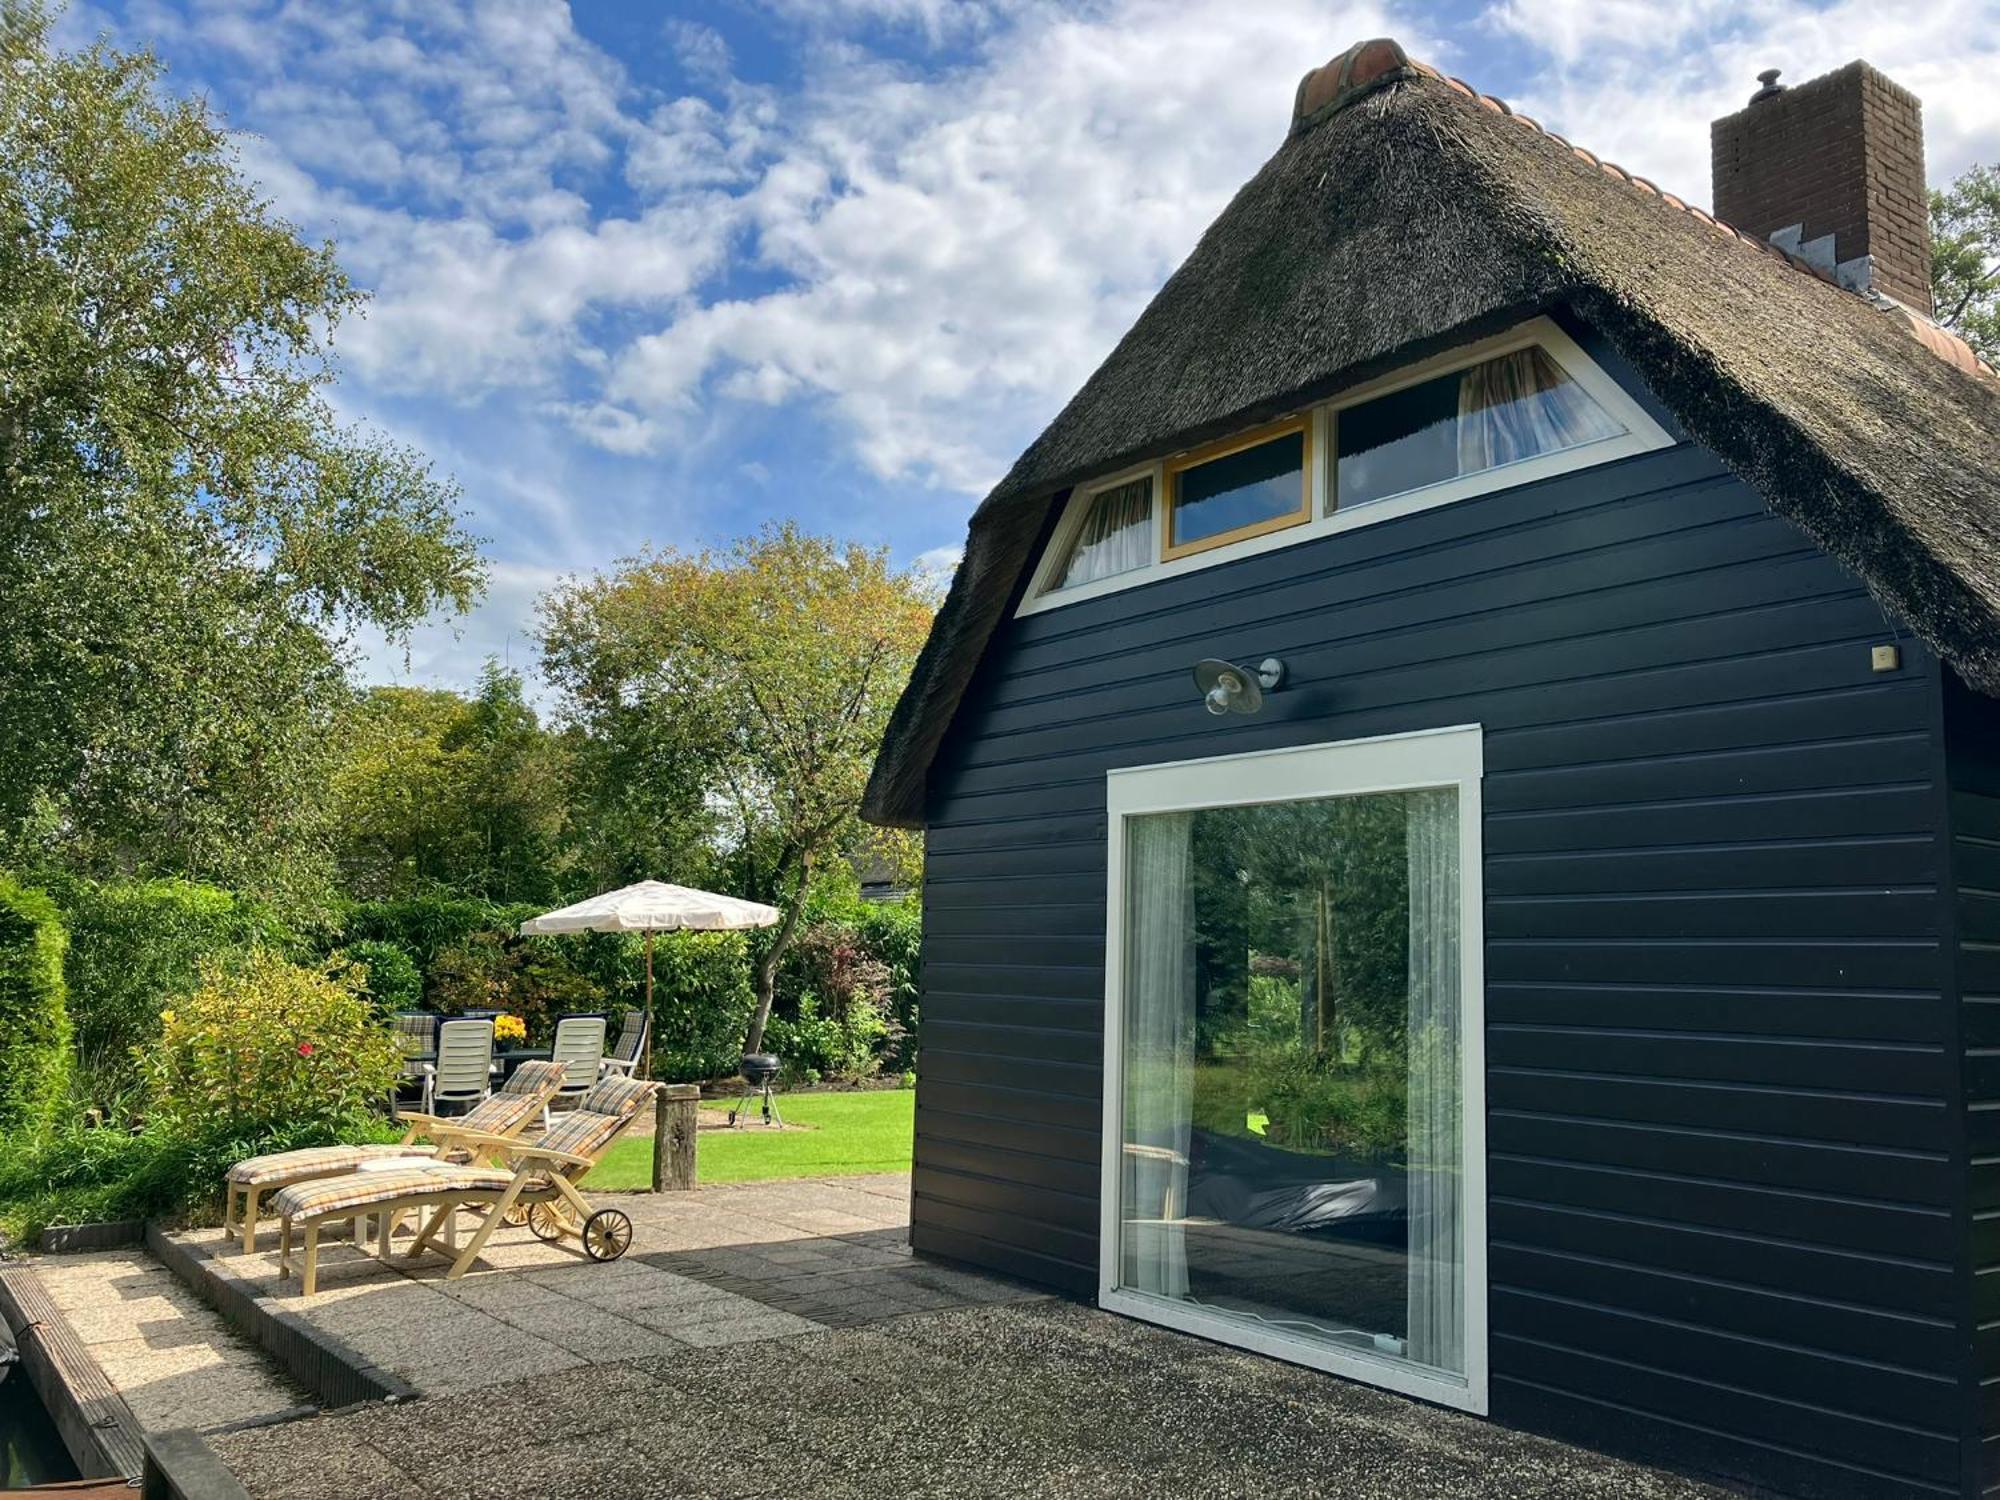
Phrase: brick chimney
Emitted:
{"points": [[1833, 171]]}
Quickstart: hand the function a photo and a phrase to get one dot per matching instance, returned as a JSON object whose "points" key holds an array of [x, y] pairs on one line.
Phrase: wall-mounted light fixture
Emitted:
{"points": [[1229, 689]]}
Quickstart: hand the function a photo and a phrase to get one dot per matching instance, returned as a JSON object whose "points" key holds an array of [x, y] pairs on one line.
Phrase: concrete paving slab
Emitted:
{"points": [[743, 1330], [996, 1393], [173, 1360]]}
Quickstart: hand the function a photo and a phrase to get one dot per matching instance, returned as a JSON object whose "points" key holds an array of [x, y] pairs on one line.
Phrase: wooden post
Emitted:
{"points": [[674, 1127]]}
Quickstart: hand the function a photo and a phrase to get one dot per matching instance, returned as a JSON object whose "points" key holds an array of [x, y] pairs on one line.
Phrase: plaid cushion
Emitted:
{"points": [[416, 1032], [630, 1036], [532, 1086], [617, 1096], [312, 1161], [608, 1105], [357, 1190]]}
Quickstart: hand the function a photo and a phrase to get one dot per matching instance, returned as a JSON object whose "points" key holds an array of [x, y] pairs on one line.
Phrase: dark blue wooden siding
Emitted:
{"points": [[1972, 729], [1724, 1177]]}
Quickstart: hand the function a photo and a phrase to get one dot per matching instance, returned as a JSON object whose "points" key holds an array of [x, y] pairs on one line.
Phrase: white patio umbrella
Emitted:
{"points": [[653, 906]]}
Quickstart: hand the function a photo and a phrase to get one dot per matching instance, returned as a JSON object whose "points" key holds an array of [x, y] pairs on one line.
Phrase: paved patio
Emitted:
{"points": [[171, 1358], [778, 1340], [727, 1265]]}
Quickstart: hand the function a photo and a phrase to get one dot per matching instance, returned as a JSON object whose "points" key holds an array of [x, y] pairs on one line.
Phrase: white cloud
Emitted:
{"points": [[937, 566], [1639, 84], [448, 653], [958, 250], [938, 20]]}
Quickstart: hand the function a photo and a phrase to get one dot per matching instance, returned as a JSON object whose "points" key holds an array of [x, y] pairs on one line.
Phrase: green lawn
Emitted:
{"points": [[851, 1133]]}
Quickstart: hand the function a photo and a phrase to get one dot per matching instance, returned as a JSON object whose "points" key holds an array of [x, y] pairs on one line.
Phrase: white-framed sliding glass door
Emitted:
{"points": [[1294, 1071]]}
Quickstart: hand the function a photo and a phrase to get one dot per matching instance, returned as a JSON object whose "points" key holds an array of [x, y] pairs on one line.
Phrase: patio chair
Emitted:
{"points": [[579, 1046], [542, 1180], [625, 1053], [460, 1139], [464, 1062], [416, 1033]]}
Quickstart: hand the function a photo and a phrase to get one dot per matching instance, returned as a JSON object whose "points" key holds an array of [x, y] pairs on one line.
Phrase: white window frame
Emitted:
{"points": [[1450, 757], [1055, 557], [1641, 435]]}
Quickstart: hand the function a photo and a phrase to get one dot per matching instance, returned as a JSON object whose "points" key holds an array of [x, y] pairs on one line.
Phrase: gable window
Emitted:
{"points": [[1116, 535], [1241, 487], [1498, 412], [1521, 406]]}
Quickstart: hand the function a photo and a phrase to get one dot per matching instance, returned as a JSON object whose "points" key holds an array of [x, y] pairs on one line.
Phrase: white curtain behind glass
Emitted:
{"points": [[1116, 536], [1159, 1052], [1520, 405], [1437, 1223]]}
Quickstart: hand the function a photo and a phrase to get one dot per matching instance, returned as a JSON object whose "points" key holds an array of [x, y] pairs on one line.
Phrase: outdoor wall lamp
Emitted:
{"points": [[1229, 689]]}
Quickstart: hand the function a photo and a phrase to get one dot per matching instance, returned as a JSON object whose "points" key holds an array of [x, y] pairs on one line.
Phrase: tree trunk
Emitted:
{"points": [[767, 966]]}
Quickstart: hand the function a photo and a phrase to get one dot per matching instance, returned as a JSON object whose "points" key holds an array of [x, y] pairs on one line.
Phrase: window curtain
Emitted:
{"points": [[1159, 1052], [1437, 1228], [1117, 535], [1520, 405]]}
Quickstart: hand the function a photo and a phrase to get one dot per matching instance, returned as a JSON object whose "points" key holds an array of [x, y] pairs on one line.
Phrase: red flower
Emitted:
{"points": [[305, 1049]]}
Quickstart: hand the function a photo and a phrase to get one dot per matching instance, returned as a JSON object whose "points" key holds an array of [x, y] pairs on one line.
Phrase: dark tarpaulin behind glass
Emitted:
{"points": [[1239, 489]]}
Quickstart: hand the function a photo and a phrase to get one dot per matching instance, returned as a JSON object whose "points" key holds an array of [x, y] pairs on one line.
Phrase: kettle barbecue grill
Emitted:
{"points": [[760, 1072]]}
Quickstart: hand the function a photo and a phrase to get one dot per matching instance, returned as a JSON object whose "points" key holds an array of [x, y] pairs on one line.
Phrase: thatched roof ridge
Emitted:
{"points": [[1405, 213]]}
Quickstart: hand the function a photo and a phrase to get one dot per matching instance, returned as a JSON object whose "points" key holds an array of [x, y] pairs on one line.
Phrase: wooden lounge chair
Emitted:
{"points": [[542, 1179], [461, 1138]]}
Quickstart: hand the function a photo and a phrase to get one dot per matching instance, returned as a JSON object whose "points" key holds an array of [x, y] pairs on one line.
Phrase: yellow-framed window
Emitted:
{"points": [[1242, 486]]}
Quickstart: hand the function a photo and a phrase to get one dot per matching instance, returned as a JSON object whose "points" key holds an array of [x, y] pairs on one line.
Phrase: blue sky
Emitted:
{"points": [[649, 273]]}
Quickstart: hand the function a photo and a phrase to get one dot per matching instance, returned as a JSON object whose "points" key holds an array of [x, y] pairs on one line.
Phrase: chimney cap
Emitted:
{"points": [[1771, 87]]}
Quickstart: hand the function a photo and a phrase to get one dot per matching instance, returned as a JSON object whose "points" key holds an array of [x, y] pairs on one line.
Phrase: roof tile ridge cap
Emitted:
{"points": [[1371, 65], [1944, 344], [1359, 71], [1953, 348], [1647, 186]]}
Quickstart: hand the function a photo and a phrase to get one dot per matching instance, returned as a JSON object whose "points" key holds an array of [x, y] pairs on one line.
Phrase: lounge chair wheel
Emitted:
{"points": [[548, 1222], [607, 1234], [519, 1214]]}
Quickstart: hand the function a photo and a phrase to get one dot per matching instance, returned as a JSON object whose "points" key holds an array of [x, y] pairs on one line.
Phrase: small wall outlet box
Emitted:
{"points": [[1885, 658]]}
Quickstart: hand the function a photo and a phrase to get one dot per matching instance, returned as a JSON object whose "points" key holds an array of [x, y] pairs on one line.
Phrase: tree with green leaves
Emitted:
{"points": [[1965, 258], [437, 792], [189, 538], [761, 679]]}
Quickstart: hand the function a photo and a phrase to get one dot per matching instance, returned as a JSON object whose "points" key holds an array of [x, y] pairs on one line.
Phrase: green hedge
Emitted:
{"points": [[427, 926], [894, 932], [34, 1019], [394, 981], [702, 999], [137, 945]]}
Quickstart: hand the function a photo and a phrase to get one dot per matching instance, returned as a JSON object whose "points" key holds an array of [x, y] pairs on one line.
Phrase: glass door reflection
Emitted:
{"points": [[1292, 1035]]}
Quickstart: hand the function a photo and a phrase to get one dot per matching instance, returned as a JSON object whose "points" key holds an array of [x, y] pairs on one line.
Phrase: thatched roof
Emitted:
{"points": [[1403, 214]]}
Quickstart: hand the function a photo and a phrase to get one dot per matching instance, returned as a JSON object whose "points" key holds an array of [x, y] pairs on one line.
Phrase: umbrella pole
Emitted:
{"points": [[645, 1057]]}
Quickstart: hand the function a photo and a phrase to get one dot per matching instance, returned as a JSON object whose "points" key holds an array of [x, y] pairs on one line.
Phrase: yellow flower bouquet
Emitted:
{"points": [[508, 1029]]}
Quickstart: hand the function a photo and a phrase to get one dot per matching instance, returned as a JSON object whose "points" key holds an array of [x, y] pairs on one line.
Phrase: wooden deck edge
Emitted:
{"points": [[181, 1466], [335, 1373], [96, 1424]]}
